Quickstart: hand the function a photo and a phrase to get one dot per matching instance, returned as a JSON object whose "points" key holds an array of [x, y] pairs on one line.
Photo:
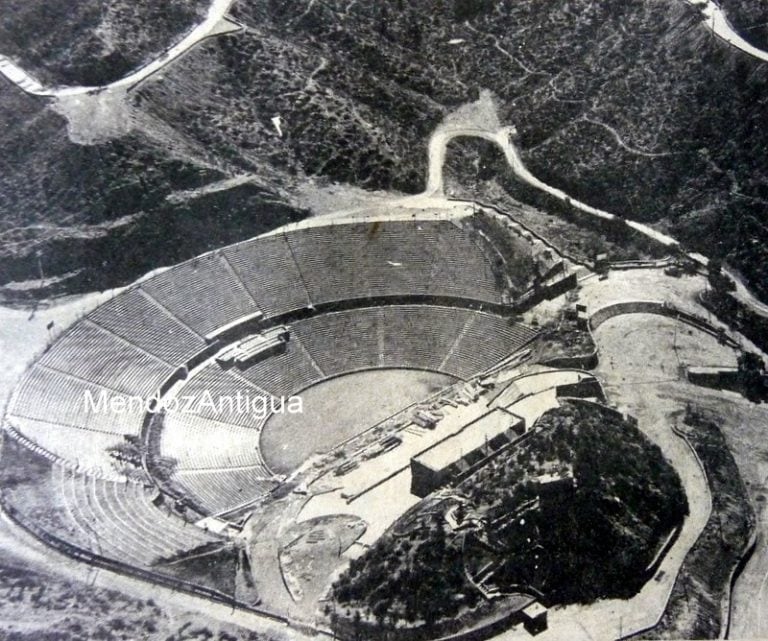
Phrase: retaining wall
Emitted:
{"points": [[661, 308]]}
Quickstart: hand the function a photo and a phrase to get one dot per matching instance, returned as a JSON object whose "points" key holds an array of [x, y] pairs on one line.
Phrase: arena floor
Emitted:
{"points": [[339, 408]]}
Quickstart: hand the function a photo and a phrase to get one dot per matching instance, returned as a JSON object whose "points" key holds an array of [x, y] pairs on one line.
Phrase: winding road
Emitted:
{"points": [[443, 135], [214, 24], [717, 23]]}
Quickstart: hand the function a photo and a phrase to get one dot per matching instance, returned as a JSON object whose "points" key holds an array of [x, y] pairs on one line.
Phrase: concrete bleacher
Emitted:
{"points": [[284, 373], [266, 268], [389, 258], [130, 345], [58, 441], [96, 355], [219, 385], [484, 342], [219, 490], [459, 342], [341, 342], [55, 397], [135, 318], [204, 293], [198, 442], [419, 336], [117, 520]]}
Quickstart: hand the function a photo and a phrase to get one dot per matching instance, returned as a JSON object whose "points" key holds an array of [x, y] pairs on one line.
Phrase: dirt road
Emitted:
{"points": [[214, 24], [717, 23]]}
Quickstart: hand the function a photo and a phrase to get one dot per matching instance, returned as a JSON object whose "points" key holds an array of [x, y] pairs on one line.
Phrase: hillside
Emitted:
{"points": [[631, 107], [750, 19], [91, 43], [595, 539]]}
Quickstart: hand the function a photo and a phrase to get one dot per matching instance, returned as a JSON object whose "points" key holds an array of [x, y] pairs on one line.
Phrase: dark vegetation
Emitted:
{"points": [[719, 300], [510, 256], [592, 541], [214, 565], [695, 607], [751, 376], [91, 43], [749, 18], [630, 106]]}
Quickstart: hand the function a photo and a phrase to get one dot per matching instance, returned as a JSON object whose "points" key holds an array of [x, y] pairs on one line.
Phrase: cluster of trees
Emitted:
{"points": [[750, 19], [600, 538], [659, 155], [417, 577], [595, 542], [738, 316], [510, 255], [752, 376]]}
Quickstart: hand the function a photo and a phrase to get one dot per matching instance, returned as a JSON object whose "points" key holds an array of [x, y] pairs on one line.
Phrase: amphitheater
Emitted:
{"points": [[378, 315]]}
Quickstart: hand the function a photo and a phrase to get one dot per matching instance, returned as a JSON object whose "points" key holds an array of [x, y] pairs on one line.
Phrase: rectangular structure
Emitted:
{"points": [[459, 453], [255, 347]]}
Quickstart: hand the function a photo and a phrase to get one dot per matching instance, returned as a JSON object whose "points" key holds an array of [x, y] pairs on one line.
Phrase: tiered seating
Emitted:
{"points": [[267, 269], [88, 449], [285, 373], [484, 342], [94, 354], [219, 385], [220, 490], [419, 336], [41, 503], [198, 442], [341, 262], [342, 341], [54, 397], [140, 321], [203, 293], [120, 523]]}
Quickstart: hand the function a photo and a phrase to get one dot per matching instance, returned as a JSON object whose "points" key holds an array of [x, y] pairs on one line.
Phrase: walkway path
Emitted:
{"points": [[717, 23], [214, 24]]}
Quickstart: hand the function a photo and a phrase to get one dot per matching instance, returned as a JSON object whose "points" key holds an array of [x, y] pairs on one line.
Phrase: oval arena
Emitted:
{"points": [[359, 320]]}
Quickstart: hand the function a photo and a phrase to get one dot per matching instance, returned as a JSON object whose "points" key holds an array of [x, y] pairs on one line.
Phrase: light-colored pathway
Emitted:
{"points": [[214, 24], [717, 23]]}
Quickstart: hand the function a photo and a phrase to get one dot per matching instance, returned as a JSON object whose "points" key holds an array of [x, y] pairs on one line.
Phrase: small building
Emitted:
{"points": [[534, 617], [256, 347], [461, 453]]}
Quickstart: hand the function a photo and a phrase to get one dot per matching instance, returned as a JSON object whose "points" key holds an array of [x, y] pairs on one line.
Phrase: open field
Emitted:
{"points": [[338, 409]]}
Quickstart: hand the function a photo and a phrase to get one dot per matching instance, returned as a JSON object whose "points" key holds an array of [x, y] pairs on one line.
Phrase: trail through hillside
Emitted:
{"points": [[475, 122]]}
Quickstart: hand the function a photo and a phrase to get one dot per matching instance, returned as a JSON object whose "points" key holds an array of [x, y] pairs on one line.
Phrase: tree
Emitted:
{"points": [[751, 375]]}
